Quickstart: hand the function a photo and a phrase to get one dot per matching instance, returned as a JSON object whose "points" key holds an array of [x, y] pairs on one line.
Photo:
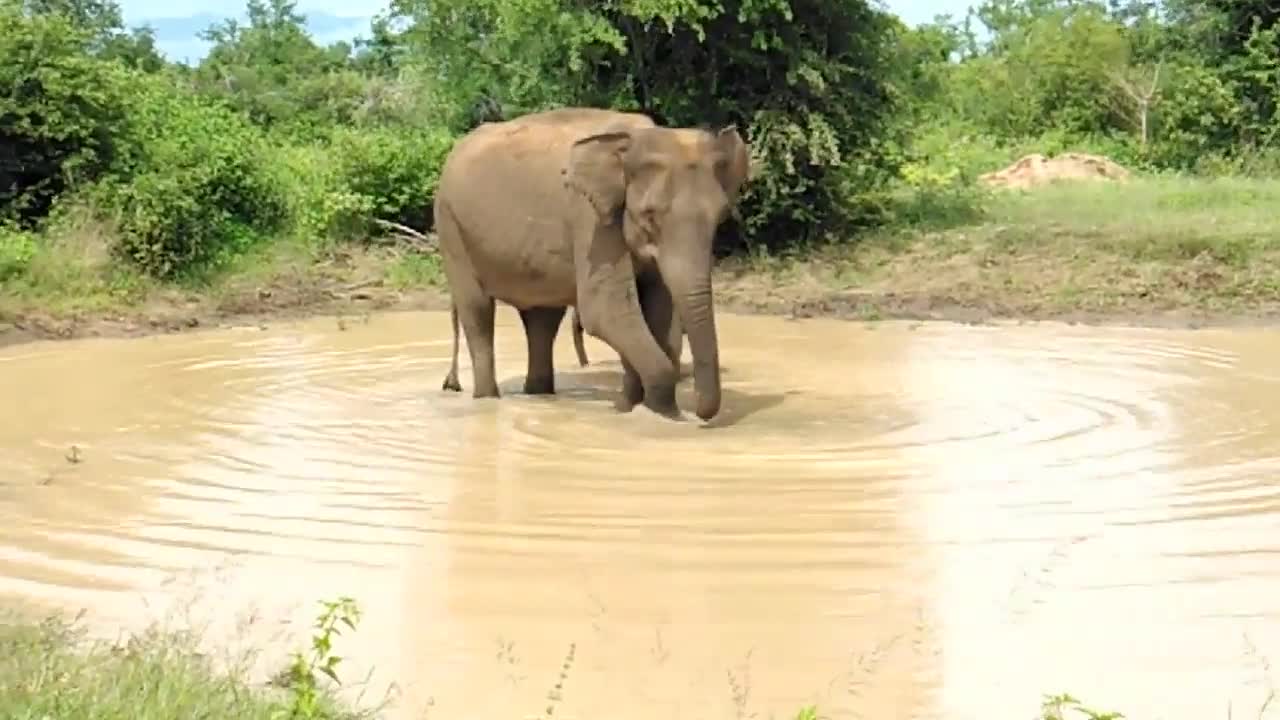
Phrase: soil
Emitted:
{"points": [[739, 292], [1035, 170], [179, 312]]}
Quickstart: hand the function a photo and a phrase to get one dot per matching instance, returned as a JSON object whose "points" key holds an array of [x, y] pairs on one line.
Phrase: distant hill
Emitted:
{"points": [[178, 37]]}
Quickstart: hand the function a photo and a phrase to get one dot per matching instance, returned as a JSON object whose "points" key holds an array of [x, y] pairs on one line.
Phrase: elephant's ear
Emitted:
{"points": [[596, 170], [734, 163]]}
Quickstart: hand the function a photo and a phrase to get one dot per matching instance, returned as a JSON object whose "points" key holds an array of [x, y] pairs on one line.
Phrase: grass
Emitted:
{"points": [[1139, 250], [50, 669], [1143, 247], [67, 282]]}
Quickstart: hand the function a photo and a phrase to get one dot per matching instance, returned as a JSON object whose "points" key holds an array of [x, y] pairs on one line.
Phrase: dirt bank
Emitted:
{"points": [[738, 289], [183, 311]]}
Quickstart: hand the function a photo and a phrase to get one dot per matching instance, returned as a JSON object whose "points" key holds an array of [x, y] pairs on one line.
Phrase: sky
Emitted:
{"points": [[177, 40]]}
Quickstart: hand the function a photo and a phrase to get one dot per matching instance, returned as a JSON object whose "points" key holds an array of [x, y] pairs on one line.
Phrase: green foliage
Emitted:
{"points": [[336, 189], [416, 270], [192, 191], [393, 172], [60, 111], [1049, 73], [52, 669], [308, 702], [1194, 88], [1055, 707], [17, 248], [805, 80], [853, 118], [274, 72]]}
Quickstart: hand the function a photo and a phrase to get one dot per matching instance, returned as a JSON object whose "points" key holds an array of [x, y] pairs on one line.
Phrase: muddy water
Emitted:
{"points": [[888, 521]]}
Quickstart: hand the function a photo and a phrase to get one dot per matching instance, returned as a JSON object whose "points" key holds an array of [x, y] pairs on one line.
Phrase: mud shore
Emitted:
{"points": [[183, 311]]}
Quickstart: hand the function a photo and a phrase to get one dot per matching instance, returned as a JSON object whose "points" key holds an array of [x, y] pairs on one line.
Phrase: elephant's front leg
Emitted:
{"points": [[608, 303], [659, 313], [540, 327]]}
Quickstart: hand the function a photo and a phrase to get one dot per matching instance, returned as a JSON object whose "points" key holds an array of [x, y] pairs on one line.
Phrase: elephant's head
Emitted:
{"points": [[670, 188]]}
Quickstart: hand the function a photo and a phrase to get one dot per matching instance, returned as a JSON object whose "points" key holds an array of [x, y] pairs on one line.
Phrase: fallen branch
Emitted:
{"points": [[404, 232]]}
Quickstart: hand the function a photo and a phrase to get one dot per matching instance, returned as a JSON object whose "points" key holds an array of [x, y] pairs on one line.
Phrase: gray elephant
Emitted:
{"points": [[603, 211], [451, 381], [578, 345]]}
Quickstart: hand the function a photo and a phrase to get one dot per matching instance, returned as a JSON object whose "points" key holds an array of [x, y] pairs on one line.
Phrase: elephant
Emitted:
{"points": [[600, 210], [581, 349], [451, 380]]}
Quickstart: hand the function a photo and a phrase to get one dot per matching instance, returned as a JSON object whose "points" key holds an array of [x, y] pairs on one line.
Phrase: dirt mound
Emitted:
{"points": [[1036, 169]]}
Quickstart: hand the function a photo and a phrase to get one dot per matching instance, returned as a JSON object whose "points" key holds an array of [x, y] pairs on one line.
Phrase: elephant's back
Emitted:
{"points": [[527, 155], [540, 136]]}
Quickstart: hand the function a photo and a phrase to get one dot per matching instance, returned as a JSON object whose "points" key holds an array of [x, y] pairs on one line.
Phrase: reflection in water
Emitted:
{"points": [[890, 521]]}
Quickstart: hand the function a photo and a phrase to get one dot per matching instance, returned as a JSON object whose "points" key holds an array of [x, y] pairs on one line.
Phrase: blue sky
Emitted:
{"points": [[177, 40]]}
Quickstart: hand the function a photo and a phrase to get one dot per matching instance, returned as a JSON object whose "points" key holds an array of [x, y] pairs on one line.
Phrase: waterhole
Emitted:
{"points": [[888, 520]]}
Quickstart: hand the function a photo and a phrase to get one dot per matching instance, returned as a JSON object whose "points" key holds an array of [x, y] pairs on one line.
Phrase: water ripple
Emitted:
{"points": [[878, 504]]}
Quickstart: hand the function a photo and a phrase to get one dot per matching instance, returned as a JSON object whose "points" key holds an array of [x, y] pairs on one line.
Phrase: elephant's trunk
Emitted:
{"points": [[690, 284]]}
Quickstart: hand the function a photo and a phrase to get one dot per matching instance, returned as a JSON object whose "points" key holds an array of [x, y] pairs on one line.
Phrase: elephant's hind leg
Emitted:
{"points": [[541, 324], [474, 307], [477, 314]]}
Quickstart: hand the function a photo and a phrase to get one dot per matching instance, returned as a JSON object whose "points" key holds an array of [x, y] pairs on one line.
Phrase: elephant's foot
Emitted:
{"points": [[485, 391], [662, 401], [540, 385], [632, 390], [451, 383]]}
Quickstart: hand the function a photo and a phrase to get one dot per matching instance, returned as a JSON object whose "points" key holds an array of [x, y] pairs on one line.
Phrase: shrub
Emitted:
{"points": [[192, 191], [17, 248], [396, 171], [60, 110], [337, 188], [320, 207]]}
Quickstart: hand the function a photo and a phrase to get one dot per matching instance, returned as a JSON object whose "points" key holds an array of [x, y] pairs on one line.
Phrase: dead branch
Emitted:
{"points": [[408, 234], [1141, 99]]}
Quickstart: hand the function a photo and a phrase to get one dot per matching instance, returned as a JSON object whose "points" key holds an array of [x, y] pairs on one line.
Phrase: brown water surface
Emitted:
{"points": [[890, 521]]}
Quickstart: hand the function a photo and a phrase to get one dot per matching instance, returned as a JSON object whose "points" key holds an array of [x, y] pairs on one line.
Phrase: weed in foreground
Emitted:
{"points": [[1055, 707], [50, 669], [307, 700]]}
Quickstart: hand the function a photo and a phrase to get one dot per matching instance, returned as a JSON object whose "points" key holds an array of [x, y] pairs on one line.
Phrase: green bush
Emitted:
{"points": [[17, 247], [192, 191], [337, 188], [320, 207], [60, 110], [396, 171]]}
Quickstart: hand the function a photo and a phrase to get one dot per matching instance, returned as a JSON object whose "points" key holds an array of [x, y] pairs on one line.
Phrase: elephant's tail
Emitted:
{"points": [[577, 339], [451, 380]]}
